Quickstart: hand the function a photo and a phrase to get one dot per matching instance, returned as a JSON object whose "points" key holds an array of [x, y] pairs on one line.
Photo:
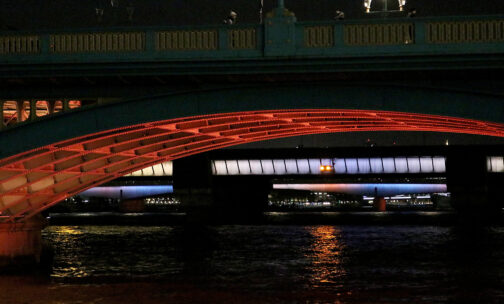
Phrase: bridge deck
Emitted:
{"points": [[305, 46]]}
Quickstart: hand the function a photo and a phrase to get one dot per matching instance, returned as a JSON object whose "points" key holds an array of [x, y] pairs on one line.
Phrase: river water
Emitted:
{"points": [[274, 264]]}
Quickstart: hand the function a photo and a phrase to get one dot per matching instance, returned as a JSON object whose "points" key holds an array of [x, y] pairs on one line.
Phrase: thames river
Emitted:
{"points": [[266, 264]]}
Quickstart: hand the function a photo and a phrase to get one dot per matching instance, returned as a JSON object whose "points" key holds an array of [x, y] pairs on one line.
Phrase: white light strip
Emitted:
{"points": [[495, 164], [162, 169], [311, 166]]}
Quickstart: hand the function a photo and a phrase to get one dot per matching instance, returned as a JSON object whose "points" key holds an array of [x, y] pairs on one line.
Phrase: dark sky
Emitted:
{"points": [[43, 14]]}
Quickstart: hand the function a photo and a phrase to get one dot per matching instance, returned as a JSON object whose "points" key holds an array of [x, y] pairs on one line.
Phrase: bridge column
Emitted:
{"points": [[218, 199], [192, 184], [51, 105], [33, 110], [21, 243], [19, 111], [66, 105], [241, 199], [280, 32], [468, 184]]}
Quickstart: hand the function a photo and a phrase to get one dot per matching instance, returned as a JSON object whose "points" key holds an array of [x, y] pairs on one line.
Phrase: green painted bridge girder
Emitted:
{"points": [[87, 120], [280, 45]]}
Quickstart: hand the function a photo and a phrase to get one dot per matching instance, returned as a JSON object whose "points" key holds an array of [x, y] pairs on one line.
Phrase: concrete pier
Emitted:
{"points": [[21, 243], [241, 199], [218, 199], [192, 185], [474, 192]]}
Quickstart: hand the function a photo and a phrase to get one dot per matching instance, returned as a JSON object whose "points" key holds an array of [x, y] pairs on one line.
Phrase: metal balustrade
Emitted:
{"points": [[98, 42], [319, 36], [465, 31], [22, 44], [379, 34], [242, 38], [321, 39], [186, 40]]}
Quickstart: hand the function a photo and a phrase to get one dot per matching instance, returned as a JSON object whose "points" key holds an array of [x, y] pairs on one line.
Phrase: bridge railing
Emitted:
{"points": [[133, 44], [390, 37], [321, 39]]}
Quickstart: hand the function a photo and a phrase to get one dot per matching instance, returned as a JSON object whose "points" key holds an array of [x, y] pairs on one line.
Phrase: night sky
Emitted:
{"points": [[44, 14]]}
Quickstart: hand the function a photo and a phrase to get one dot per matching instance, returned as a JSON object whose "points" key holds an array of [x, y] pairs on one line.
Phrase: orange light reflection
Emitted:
{"points": [[326, 256]]}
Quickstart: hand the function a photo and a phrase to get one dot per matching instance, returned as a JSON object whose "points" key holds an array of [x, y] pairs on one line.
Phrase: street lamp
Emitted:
{"points": [[367, 6]]}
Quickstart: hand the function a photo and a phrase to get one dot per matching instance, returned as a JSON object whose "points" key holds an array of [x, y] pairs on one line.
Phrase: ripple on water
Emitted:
{"points": [[440, 262]]}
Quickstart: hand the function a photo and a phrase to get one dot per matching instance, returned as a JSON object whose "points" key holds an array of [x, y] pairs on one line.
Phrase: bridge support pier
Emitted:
{"points": [[241, 199], [21, 244], [192, 184], [472, 192], [218, 199]]}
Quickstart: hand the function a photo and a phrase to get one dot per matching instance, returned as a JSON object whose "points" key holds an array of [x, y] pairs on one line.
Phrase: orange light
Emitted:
{"points": [[328, 168], [322, 168]]}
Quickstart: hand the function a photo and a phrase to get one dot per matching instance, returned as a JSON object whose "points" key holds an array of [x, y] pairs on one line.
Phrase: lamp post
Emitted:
{"points": [[385, 10]]}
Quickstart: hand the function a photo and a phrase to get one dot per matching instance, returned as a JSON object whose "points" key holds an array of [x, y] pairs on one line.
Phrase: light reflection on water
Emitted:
{"points": [[326, 256], [414, 262]]}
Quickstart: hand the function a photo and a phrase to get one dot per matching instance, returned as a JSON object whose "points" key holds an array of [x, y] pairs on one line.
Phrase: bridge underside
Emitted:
{"points": [[35, 180]]}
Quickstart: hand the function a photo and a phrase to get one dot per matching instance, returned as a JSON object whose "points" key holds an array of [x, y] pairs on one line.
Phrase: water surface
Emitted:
{"points": [[309, 264]]}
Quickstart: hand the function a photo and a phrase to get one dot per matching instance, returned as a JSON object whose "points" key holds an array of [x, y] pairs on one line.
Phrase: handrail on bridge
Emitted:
{"points": [[334, 38]]}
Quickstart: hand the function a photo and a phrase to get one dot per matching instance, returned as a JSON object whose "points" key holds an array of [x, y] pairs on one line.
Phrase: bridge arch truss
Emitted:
{"points": [[93, 146]]}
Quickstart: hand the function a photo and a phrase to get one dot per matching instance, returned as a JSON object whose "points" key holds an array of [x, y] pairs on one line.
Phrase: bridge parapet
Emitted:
{"points": [[280, 36]]}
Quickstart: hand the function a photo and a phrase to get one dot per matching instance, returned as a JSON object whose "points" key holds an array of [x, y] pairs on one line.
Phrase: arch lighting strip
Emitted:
{"points": [[35, 180]]}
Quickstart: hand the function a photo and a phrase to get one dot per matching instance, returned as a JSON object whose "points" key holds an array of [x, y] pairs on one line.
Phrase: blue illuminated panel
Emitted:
{"points": [[127, 192]]}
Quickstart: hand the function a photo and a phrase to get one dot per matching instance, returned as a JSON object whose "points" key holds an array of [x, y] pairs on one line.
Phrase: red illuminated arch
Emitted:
{"points": [[35, 180]]}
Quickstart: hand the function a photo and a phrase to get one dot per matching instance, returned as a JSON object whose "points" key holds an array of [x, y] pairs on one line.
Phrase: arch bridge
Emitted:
{"points": [[84, 107]]}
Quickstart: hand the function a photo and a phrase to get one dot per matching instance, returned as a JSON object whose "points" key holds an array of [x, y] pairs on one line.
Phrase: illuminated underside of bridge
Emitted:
{"points": [[35, 180]]}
